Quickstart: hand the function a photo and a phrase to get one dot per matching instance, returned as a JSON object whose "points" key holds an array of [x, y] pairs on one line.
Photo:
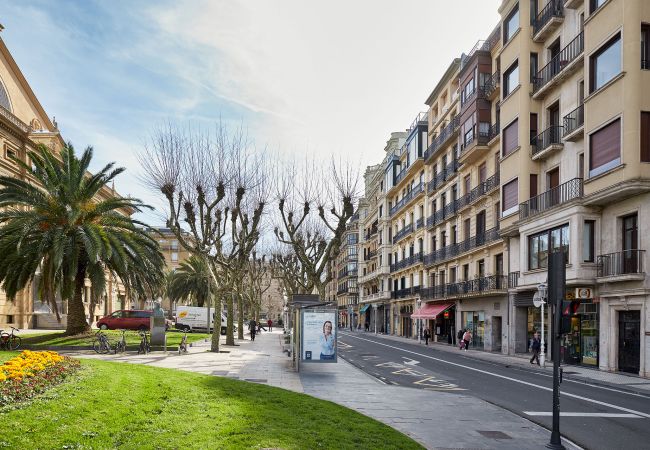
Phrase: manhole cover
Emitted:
{"points": [[494, 434]]}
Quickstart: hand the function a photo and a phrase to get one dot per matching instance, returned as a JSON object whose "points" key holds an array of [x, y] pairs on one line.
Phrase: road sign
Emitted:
{"points": [[537, 300]]}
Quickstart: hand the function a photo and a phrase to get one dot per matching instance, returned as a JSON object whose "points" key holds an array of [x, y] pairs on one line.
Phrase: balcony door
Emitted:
{"points": [[553, 51], [552, 185], [630, 243], [480, 228]]}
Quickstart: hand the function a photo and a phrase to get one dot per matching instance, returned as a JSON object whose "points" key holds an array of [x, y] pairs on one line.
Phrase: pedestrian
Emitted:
{"points": [[460, 338], [252, 325], [270, 324], [367, 326], [535, 346], [426, 336], [467, 338]]}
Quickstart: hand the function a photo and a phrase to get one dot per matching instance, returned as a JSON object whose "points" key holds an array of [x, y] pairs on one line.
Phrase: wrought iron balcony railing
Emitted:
{"points": [[568, 54], [474, 286], [439, 179], [407, 198], [408, 229], [626, 262], [554, 8], [442, 138], [406, 292], [550, 136], [419, 223], [492, 83], [407, 262], [453, 250], [574, 120], [563, 193]]}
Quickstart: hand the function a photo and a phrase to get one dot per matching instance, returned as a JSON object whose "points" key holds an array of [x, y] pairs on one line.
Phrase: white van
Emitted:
{"points": [[192, 318]]}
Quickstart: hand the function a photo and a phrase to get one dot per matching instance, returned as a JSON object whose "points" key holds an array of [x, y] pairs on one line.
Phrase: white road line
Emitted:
{"points": [[568, 394], [581, 414]]}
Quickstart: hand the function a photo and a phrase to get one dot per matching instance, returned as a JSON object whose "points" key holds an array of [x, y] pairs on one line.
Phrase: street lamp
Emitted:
{"points": [[419, 303], [540, 300]]}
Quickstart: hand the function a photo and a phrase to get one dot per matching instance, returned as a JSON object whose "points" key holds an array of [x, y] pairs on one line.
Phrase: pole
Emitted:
{"points": [[557, 292], [542, 357], [375, 308]]}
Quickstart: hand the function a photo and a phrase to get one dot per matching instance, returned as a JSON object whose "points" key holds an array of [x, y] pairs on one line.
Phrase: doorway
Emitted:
{"points": [[496, 333], [629, 341]]}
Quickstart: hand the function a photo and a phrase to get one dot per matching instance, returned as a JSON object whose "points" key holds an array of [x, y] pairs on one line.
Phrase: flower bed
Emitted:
{"points": [[31, 373]]}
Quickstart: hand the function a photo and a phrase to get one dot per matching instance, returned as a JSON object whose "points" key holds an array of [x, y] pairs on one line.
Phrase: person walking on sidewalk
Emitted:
{"points": [[467, 338], [460, 338], [270, 324], [426, 336], [535, 346], [252, 325]]}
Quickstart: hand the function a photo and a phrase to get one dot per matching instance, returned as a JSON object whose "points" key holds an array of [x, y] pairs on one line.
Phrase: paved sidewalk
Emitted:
{"points": [[583, 374], [435, 419]]}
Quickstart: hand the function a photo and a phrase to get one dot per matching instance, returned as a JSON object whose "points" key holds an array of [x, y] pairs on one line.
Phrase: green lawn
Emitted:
{"points": [[44, 341], [113, 405]]}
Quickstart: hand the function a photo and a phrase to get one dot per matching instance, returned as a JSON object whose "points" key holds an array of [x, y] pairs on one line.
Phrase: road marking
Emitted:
{"points": [[408, 371], [568, 394], [390, 364], [410, 362], [433, 383], [581, 414]]}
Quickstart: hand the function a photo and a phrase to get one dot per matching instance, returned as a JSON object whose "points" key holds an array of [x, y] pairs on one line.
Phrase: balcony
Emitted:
{"points": [[407, 198], [548, 20], [409, 261], [474, 145], [621, 266], [559, 67], [441, 139], [439, 179], [547, 142], [454, 250], [492, 85], [478, 93], [573, 4], [489, 285], [14, 120], [419, 223], [383, 270], [574, 124], [495, 131], [559, 195], [370, 255], [347, 273], [401, 234], [483, 188], [383, 295], [406, 292]]}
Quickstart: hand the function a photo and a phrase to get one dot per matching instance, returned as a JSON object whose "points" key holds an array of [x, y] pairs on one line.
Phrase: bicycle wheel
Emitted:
{"points": [[14, 342], [4, 341], [106, 347], [97, 346]]}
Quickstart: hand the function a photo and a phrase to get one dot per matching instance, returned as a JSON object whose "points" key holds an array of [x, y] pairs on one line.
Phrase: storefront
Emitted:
{"points": [[475, 322], [580, 344], [406, 328], [438, 318]]}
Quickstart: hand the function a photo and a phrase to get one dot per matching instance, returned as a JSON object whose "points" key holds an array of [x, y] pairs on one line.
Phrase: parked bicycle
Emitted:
{"points": [[101, 344], [144, 347], [9, 341], [182, 347], [120, 347]]}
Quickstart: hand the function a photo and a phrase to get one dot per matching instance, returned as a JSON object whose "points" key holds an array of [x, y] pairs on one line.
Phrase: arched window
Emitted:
{"points": [[4, 97]]}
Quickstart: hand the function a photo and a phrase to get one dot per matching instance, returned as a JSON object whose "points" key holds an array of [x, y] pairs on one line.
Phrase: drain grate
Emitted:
{"points": [[494, 434]]}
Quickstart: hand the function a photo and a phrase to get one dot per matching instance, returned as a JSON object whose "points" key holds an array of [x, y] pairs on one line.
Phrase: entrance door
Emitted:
{"points": [[630, 243], [629, 341], [496, 334]]}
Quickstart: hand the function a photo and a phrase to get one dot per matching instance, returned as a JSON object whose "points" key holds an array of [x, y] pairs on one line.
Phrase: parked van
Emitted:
{"points": [[192, 318]]}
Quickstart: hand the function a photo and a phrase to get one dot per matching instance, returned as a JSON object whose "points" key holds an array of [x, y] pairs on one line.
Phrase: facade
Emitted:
{"points": [[346, 268], [536, 140], [174, 254]]}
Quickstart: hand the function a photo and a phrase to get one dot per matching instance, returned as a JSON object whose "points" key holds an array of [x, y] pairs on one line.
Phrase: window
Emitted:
{"points": [[605, 63], [645, 136], [645, 46], [468, 90], [533, 66], [10, 318], [581, 165], [510, 197], [595, 4], [540, 244], [9, 152], [605, 148], [174, 245], [588, 240], [511, 138], [510, 79], [482, 173], [467, 184], [511, 24], [174, 256]]}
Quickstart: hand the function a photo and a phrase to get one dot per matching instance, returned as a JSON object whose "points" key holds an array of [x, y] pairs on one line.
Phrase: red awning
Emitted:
{"points": [[430, 310]]}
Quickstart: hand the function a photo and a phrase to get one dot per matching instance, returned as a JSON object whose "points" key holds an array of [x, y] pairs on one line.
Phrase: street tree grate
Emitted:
{"points": [[494, 434]]}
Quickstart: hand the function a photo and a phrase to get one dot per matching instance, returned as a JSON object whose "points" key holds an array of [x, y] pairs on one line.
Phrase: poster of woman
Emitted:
{"points": [[318, 336]]}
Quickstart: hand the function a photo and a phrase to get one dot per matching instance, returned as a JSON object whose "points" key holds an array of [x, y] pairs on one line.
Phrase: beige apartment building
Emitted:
{"points": [[576, 129], [346, 268], [24, 125]]}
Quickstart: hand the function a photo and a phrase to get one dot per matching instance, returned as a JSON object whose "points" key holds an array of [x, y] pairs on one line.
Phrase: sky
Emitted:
{"points": [[329, 78]]}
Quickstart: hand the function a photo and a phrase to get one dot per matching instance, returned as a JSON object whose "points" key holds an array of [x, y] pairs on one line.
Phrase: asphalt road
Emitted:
{"points": [[594, 417]]}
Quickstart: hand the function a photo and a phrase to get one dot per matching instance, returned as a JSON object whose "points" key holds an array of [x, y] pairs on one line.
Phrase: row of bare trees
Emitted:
{"points": [[222, 195]]}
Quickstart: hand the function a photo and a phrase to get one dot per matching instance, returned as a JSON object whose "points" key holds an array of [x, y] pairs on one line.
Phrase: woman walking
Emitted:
{"points": [[467, 338]]}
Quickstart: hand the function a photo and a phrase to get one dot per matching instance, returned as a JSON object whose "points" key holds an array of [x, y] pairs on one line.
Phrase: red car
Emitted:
{"points": [[124, 319]]}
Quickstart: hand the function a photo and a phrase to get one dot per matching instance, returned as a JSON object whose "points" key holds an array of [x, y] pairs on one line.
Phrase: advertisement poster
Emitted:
{"points": [[318, 336]]}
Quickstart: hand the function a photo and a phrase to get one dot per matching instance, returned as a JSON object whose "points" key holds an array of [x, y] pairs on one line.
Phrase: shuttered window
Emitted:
{"points": [[645, 136], [605, 148], [509, 198], [511, 138]]}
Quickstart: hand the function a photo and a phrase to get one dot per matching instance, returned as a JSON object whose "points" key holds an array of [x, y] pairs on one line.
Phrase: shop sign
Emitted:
{"points": [[446, 315], [584, 293]]}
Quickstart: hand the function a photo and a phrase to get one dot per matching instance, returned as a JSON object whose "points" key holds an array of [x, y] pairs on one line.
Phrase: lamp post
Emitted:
{"points": [[419, 304], [542, 292]]}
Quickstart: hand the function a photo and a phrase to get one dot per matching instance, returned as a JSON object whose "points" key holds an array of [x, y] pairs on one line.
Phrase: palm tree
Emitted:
{"points": [[191, 281], [66, 225]]}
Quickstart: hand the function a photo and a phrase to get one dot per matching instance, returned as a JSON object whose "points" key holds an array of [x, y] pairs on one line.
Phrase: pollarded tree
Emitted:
{"points": [[63, 225], [215, 188]]}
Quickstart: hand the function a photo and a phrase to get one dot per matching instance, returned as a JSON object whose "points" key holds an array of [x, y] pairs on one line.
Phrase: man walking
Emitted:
{"points": [[252, 325], [426, 336], [270, 324], [535, 346]]}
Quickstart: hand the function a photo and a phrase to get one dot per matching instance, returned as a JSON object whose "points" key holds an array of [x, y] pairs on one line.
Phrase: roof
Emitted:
{"points": [[451, 70]]}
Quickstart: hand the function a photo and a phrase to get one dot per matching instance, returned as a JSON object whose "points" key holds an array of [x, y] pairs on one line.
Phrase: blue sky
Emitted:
{"points": [[328, 78]]}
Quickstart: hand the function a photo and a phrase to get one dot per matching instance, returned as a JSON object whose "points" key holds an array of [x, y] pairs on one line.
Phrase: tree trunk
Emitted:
{"points": [[216, 333], [240, 316], [230, 337], [77, 323]]}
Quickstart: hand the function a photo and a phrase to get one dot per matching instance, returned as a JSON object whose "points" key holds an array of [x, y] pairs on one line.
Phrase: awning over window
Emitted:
{"points": [[431, 310], [364, 308]]}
